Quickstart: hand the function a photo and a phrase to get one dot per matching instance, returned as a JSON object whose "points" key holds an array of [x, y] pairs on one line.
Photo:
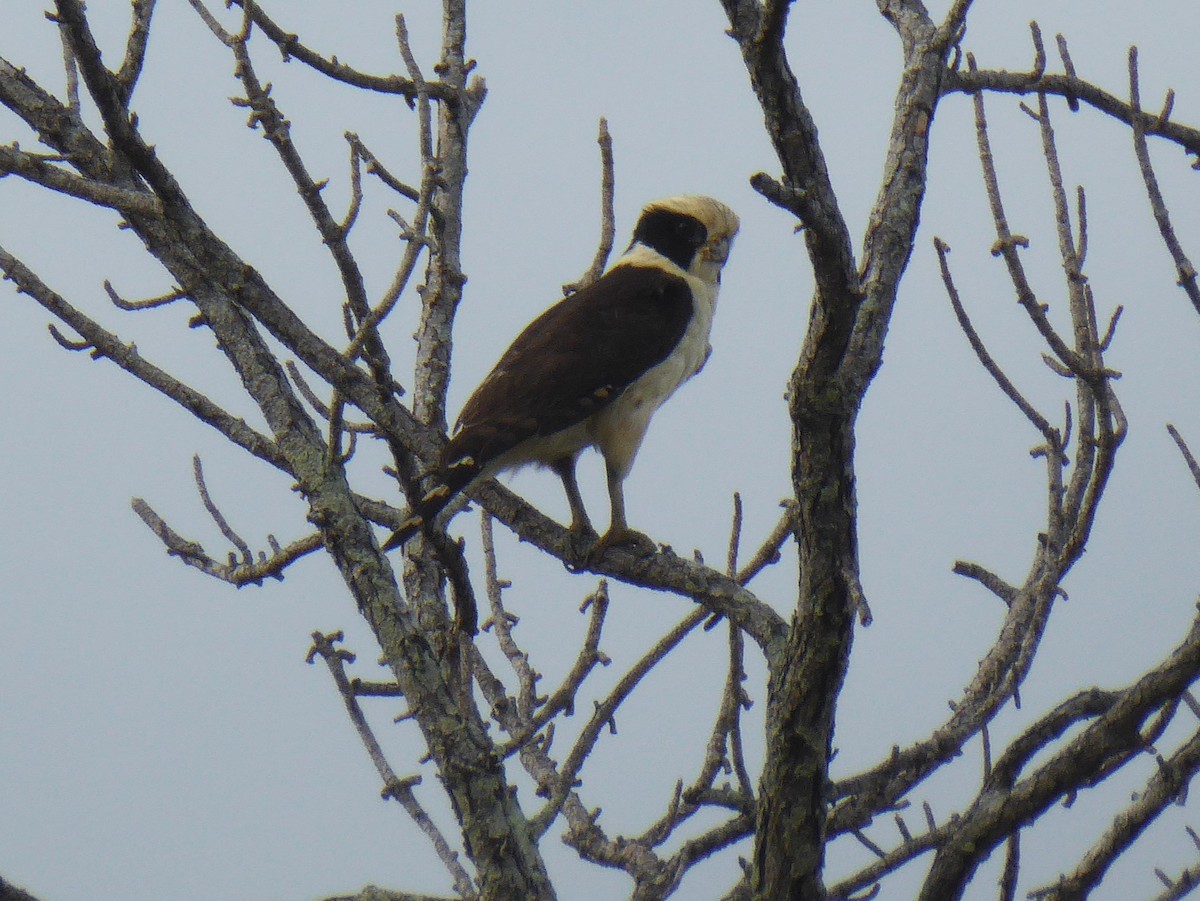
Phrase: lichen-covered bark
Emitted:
{"points": [[843, 347], [228, 294]]}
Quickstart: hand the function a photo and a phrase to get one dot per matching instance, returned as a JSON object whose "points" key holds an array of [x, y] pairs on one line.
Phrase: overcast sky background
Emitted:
{"points": [[162, 735]]}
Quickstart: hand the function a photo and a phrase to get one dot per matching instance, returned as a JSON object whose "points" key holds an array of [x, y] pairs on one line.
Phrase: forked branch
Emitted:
{"points": [[397, 788]]}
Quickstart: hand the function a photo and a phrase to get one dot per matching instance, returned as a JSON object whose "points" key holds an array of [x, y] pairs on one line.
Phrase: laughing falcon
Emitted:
{"points": [[592, 370]]}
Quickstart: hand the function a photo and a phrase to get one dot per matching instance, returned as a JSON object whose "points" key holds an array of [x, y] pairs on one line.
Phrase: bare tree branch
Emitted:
{"points": [[1181, 886], [606, 710], [265, 114], [1158, 206], [608, 227], [1193, 466], [135, 46], [374, 893], [400, 789], [842, 351], [128, 358], [291, 48], [149, 303], [1112, 736], [1010, 390], [215, 512], [1163, 788], [42, 170], [987, 579], [768, 552], [444, 670], [506, 858], [415, 235], [248, 571], [972, 81]]}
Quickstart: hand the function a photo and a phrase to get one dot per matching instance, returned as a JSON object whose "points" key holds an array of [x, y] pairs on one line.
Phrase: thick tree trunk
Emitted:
{"points": [[842, 351], [803, 691]]}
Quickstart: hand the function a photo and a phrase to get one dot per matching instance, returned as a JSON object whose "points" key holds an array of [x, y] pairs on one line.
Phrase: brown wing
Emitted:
{"points": [[571, 362]]}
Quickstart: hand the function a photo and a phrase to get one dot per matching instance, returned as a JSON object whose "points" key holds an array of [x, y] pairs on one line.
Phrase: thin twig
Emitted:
{"points": [[603, 715], [987, 579], [768, 551], [74, 345], [735, 537], [1012, 868], [356, 191], [291, 47], [415, 235], [393, 786], [562, 699], [985, 358], [376, 168], [326, 412], [148, 304], [72, 74], [41, 170], [1183, 265], [215, 512], [1193, 467], [237, 574], [608, 228], [502, 625], [1069, 69], [135, 45], [1007, 243]]}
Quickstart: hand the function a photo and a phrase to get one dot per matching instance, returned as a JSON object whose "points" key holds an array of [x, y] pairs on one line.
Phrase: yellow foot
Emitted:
{"points": [[583, 539], [627, 539]]}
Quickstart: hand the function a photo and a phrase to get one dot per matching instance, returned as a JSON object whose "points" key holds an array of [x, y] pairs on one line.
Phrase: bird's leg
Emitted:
{"points": [[619, 533], [582, 532]]}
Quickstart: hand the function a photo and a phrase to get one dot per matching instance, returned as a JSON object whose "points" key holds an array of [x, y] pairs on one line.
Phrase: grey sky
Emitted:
{"points": [[164, 738]]}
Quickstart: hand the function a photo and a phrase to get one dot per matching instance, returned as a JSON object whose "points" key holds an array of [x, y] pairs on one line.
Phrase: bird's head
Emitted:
{"points": [[692, 231]]}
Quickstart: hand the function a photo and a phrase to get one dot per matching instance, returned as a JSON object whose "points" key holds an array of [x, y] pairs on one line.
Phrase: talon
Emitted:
{"points": [[628, 539], [583, 538]]}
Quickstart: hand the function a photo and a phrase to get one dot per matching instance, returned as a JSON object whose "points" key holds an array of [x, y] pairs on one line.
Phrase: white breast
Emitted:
{"points": [[619, 429]]}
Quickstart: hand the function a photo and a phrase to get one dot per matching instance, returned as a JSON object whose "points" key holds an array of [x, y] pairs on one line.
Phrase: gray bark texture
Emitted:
{"points": [[423, 606]]}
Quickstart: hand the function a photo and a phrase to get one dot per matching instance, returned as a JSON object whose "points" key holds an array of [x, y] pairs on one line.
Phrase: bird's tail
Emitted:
{"points": [[451, 480]]}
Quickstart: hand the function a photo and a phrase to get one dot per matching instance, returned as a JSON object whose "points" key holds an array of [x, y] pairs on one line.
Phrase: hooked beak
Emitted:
{"points": [[717, 251]]}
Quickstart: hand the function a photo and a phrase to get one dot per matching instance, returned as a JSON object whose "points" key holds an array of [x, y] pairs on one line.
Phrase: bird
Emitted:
{"points": [[592, 370]]}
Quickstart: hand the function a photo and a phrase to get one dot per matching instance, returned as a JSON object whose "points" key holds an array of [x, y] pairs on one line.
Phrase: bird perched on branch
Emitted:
{"points": [[593, 369]]}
